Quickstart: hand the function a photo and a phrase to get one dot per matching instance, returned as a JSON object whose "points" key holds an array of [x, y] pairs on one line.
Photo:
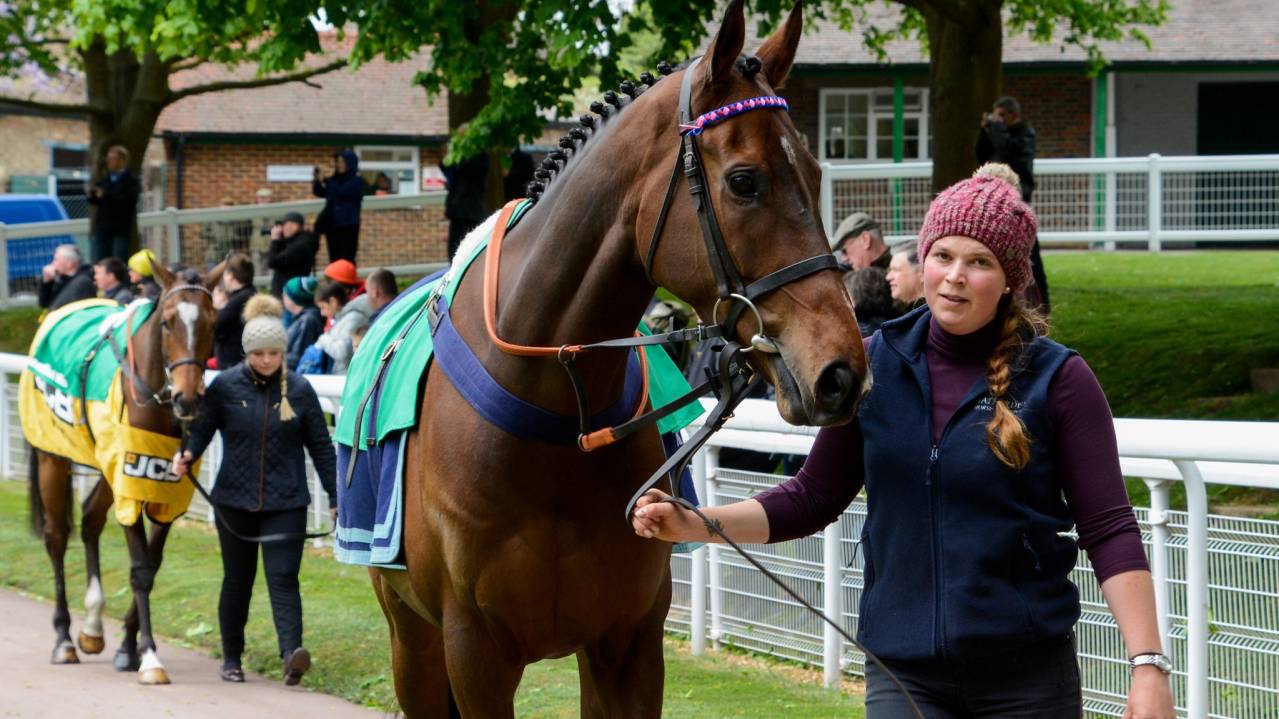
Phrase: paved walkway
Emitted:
{"points": [[31, 687]]}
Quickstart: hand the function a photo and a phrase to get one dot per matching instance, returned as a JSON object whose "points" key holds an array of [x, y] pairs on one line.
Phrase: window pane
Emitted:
{"points": [[884, 148], [858, 149], [859, 126], [835, 103], [911, 125], [884, 99], [884, 127], [857, 104], [914, 99], [911, 151], [377, 155]]}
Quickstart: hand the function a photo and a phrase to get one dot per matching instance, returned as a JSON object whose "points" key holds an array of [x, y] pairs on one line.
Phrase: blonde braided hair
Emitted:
{"points": [[1005, 433]]}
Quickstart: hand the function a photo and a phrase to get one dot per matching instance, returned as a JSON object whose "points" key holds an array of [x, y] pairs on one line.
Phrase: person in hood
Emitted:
{"points": [[66, 279], [343, 193]]}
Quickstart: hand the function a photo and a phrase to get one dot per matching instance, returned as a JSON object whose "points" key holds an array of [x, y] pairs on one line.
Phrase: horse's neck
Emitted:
{"points": [[570, 274], [146, 359]]}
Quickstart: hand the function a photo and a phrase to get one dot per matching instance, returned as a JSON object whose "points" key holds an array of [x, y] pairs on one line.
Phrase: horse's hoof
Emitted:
{"points": [[90, 644], [153, 676], [126, 661], [64, 653]]}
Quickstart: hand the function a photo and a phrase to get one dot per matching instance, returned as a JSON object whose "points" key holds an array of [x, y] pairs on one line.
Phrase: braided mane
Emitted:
{"points": [[613, 103]]}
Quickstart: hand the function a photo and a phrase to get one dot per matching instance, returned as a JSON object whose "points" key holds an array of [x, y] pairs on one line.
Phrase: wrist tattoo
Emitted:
{"points": [[714, 527]]}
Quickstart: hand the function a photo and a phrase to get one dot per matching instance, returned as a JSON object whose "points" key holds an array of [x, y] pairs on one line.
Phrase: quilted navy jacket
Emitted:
{"points": [[263, 468]]}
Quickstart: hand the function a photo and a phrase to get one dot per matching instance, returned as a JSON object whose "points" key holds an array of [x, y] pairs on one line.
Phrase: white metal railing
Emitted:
{"points": [[1216, 577], [168, 223], [1148, 200]]}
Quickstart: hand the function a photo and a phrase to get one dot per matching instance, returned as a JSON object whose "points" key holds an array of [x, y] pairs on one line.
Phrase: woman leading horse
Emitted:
{"points": [[515, 550], [118, 407]]}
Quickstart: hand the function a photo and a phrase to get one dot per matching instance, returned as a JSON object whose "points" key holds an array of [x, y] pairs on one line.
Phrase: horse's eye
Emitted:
{"points": [[743, 184]]}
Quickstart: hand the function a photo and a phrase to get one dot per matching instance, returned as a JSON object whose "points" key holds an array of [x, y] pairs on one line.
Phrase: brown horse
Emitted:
{"points": [[167, 356], [516, 550]]}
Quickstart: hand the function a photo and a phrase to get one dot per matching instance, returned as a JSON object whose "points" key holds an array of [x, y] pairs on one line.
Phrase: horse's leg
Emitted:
{"points": [[53, 482], [127, 657], [482, 673], [417, 658], [144, 561], [92, 519], [623, 673]]}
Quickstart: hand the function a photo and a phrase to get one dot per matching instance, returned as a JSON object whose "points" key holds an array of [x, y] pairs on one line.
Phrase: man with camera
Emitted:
{"points": [[292, 251]]}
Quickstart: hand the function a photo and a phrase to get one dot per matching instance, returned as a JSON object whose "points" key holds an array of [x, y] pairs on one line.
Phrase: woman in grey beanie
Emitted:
{"points": [[266, 414]]}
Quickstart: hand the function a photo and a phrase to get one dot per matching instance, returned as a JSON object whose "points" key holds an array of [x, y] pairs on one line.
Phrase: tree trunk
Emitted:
{"points": [[462, 108], [965, 78], [132, 94]]}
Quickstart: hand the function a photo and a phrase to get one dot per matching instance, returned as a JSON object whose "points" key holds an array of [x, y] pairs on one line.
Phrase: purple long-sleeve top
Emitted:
{"points": [[1085, 445]]}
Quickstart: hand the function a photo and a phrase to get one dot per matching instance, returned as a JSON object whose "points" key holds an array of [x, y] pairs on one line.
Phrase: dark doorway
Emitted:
{"points": [[1237, 118]]}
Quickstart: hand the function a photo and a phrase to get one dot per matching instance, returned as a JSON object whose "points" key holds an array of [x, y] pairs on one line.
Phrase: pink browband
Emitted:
{"points": [[732, 110]]}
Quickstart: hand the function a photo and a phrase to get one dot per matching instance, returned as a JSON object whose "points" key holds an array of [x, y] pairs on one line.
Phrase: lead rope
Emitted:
{"points": [[715, 527]]}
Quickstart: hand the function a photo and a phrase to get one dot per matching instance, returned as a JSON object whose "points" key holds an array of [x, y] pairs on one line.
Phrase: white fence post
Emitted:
{"points": [[1196, 589], [713, 551], [1158, 517], [827, 199], [832, 605], [697, 571], [173, 229], [4, 266], [1155, 201]]}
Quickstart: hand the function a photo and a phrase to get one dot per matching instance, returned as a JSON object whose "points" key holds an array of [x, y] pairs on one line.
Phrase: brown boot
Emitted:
{"points": [[295, 665]]}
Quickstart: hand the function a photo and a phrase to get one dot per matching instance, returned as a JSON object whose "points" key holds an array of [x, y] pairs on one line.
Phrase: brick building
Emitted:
{"points": [[225, 147]]}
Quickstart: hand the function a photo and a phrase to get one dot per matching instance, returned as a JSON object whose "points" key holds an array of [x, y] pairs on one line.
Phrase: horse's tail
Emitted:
{"points": [[36, 501]]}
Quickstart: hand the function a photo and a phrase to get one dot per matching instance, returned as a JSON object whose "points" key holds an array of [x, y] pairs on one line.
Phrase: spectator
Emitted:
{"points": [[237, 282], [872, 300], [260, 232], [343, 193], [344, 273], [224, 237], [1004, 137], [905, 278], [66, 279], [858, 243], [515, 184], [982, 443], [292, 251], [307, 324], [380, 289], [464, 206], [266, 415], [344, 317], [111, 276], [141, 274], [382, 184], [116, 197]]}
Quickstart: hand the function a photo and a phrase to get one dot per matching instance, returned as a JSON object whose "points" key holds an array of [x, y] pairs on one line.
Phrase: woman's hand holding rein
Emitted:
{"points": [[655, 518]]}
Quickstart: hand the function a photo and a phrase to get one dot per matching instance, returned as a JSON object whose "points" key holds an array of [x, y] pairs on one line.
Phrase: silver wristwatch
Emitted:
{"points": [[1159, 661]]}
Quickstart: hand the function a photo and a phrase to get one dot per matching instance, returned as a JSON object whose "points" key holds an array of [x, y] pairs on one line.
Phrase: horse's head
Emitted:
{"points": [[763, 185], [186, 314]]}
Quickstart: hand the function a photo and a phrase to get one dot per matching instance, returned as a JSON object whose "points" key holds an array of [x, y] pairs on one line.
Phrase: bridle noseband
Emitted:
{"points": [[165, 394]]}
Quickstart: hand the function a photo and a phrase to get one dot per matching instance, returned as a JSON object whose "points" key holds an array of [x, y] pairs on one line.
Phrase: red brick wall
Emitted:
{"points": [[1059, 107], [216, 171]]}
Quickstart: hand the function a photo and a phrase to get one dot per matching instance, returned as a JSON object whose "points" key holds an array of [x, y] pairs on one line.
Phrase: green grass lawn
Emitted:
{"points": [[345, 630]]}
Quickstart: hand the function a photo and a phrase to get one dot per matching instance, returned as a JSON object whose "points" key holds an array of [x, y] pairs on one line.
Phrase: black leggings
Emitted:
{"points": [[1036, 682], [281, 562]]}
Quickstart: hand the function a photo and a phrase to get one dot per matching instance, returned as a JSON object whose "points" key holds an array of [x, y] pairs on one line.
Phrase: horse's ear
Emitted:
{"points": [[162, 274], [214, 276], [777, 54], [727, 45]]}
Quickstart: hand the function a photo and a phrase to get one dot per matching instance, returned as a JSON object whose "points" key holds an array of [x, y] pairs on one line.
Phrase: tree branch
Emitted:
{"points": [[53, 108], [259, 82], [187, 64]]}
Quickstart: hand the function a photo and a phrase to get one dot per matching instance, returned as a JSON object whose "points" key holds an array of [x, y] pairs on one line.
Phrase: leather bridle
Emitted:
{"points": [[165, 395]]}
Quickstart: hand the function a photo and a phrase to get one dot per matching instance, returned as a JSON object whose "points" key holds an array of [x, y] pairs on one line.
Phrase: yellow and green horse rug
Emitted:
{"points": [[71, 402]]}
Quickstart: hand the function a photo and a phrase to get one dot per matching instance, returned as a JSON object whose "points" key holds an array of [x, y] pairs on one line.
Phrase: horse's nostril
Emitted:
{"points": [[836, 387]]}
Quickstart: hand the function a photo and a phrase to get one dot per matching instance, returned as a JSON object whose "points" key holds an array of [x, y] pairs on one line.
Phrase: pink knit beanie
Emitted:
{"points": [[986, 207]]}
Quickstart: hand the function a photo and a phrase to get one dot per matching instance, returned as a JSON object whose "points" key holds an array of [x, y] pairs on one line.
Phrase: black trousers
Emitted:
{"points": [[107, 244], [342, 242], [459, 228], [281, 562], [1036, 682]]}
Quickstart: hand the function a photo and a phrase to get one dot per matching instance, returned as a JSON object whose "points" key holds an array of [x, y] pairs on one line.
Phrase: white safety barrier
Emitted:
{"points": [[1148, 200], [1216, 577]]}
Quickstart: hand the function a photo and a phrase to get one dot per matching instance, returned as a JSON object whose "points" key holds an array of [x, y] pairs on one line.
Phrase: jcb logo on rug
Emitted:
{"points": [[147, 467]]}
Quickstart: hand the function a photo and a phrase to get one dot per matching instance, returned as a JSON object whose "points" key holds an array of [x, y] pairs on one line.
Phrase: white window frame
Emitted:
{"points": [[413, 164], [872, 116]]}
